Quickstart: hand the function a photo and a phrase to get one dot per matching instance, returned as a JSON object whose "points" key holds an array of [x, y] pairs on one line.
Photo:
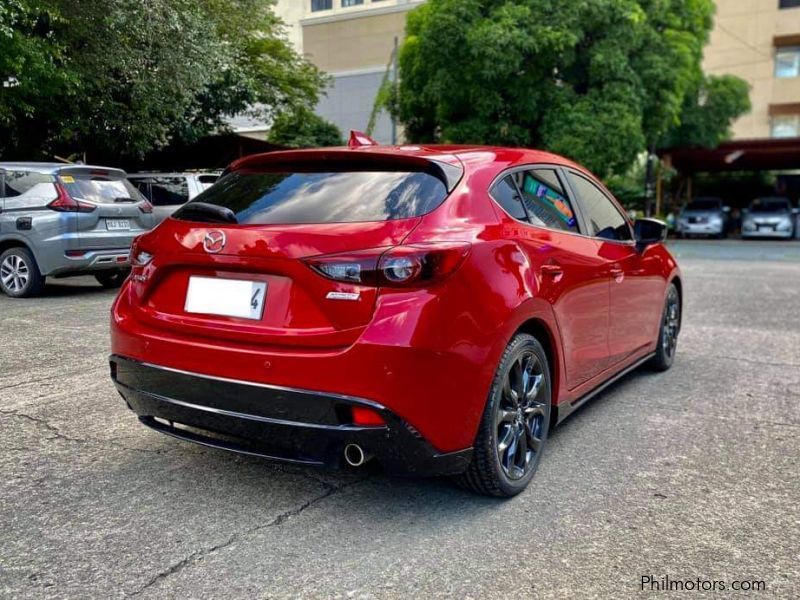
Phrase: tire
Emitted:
{"points": [[111, 279], [500, 468], [668, 331], [19, 274]]}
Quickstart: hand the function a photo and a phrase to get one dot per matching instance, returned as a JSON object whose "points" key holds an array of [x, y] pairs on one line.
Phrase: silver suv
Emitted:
{"points": [[167, 192], [58, 220]]}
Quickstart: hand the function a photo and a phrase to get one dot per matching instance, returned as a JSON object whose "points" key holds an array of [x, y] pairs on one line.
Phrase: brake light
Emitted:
{"points": [[146, 207], [401, 266], [66, 203]]}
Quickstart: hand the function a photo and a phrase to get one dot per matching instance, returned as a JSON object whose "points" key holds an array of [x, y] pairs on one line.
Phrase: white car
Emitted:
{"points": [[771, 217], [169, 191]]}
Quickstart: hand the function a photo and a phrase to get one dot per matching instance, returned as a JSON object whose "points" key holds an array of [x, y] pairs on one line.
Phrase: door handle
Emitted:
{"points": [[617, 273]]}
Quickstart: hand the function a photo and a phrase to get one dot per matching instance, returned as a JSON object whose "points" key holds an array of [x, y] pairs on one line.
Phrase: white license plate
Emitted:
{"points": [[226, 297], [118, 224]]}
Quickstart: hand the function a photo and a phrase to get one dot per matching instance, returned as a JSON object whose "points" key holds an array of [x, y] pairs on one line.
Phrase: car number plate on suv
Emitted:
{"points": [[226, 297], [118, 224]]}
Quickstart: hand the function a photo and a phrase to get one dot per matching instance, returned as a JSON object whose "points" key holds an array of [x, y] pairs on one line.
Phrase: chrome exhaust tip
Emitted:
{"points": [[354, 455]]}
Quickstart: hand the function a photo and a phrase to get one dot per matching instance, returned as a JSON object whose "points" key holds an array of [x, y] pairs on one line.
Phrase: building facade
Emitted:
{"points": [[759, 40], [353, 41]]}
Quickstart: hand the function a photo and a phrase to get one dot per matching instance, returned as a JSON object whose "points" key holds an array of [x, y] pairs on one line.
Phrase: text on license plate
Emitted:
{"points": [[118, 224], [226, 297]]}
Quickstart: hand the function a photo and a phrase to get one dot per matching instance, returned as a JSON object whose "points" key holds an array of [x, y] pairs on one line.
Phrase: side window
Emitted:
{"points": [[169, 191], [604, 218], [19, 183], [507, 196], [545, 200]]}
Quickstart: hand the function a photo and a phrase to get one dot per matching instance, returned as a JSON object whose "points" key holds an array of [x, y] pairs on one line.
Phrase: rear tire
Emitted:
{"points": [[19, 274], [515, 422], [111, 279], [668, 332]]}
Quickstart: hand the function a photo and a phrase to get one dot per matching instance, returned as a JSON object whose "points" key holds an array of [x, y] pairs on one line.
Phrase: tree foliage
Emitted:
{"points": [[596, 80], [123, 78], [304, 129]]}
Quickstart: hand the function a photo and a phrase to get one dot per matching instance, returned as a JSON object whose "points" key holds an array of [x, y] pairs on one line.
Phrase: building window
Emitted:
{"points": [[317, 5], [784, 126], [787, 62], [788, 3], [346, 3]]}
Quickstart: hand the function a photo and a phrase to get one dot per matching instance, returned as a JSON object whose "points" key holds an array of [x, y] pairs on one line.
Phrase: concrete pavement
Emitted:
{"points": [[688, 474]]}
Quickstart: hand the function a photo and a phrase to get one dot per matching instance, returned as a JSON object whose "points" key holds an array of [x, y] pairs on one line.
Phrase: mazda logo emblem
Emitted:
{"points": [[214, 241]]}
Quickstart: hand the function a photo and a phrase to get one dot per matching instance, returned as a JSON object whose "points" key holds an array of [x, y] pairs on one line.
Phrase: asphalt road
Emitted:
{"points": [[689, 474]]}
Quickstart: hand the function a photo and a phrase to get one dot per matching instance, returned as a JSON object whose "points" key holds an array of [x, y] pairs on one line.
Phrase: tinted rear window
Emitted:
{"points": [[99, 188], [330, 197]]}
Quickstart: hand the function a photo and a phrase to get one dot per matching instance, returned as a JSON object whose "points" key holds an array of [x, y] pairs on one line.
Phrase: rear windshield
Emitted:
{"points": [[704, 204], [102, 189], [330, 197], [765, 205]]}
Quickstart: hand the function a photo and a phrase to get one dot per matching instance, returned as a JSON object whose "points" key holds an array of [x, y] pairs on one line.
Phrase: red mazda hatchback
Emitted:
{"points": [[437, 309]]}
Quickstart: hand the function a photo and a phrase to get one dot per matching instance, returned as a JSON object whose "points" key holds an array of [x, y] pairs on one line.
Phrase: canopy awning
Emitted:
{"points": [[768, 154]]}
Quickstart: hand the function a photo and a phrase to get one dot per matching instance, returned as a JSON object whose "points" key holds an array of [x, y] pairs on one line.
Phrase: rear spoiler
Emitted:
{"points": [[89, 170], [446, 167]]}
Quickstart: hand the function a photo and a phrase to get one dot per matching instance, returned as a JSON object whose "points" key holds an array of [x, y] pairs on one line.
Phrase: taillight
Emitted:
{"points": [[401, 266], [66, 203], [146, 207], [138, 256]]}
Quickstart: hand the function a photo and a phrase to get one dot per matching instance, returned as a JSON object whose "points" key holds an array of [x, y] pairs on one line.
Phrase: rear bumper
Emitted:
{"points": [[94, 260], [767, 233], [278, 423]]}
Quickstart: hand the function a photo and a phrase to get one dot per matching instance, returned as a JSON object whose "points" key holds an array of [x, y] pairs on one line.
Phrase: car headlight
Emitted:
{"points": [[784, 225]]}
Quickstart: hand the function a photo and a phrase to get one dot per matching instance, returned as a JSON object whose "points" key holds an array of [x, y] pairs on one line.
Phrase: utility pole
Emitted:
{"points": [[394, 85], [649, 186]]}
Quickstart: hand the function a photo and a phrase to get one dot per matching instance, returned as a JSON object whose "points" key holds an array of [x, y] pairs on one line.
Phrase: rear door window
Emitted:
{"points": [[545, 200], [345, 196]]}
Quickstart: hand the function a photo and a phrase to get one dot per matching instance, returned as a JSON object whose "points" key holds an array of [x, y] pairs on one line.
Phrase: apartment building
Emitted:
{"points": [[759, 40], [353, 41]]}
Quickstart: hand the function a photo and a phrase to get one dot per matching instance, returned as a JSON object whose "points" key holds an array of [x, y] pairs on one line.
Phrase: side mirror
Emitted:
{"points": [[647, 232]]}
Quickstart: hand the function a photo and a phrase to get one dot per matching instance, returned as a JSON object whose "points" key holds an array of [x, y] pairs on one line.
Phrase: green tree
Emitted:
{"points": [[304, 129], [137, 75], [708, 111], [31, 65], [596, 80]]}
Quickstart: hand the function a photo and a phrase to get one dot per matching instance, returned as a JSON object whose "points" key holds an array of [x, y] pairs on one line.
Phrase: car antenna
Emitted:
{"points": [[359, 139]]}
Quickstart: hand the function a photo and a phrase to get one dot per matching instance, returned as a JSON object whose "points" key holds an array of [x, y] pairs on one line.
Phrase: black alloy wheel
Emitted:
{"points": [[515, 423]]}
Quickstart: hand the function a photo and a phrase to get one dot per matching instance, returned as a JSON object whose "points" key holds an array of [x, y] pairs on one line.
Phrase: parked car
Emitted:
{"points": [[168, 191], [772, 217], [437, 309], [704, 216], [58, 220]]}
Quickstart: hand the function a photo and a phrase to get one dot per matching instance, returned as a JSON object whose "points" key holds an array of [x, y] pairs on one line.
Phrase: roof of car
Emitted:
{"points": [[460, 155], [51, 167]]}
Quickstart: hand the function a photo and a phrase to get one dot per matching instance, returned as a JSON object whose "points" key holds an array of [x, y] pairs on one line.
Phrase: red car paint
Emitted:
{"points": [[426, 353]]}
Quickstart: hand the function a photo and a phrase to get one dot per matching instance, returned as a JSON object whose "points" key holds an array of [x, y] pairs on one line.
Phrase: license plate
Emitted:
{"points": [[118, 224], [226, 297]]}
